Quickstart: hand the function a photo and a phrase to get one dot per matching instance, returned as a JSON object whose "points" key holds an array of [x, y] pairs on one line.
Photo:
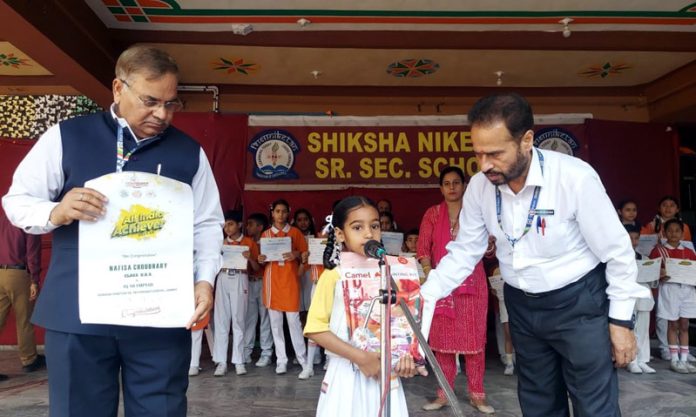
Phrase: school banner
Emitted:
{"points": [[325, 153]]}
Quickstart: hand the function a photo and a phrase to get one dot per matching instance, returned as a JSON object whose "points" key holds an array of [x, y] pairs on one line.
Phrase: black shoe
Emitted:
{"points": [[4, 377], [39, 363]]}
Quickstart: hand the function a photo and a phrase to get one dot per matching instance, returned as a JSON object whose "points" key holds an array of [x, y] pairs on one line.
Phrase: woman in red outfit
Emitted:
{"points": [[459, 323]]}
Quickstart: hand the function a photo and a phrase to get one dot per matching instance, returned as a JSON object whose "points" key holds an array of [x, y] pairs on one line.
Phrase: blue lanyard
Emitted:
{"points": [[532, 208]]}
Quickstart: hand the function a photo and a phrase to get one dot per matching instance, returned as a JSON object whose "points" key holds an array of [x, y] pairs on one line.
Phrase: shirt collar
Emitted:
{"points": [[679, 246], [286, 229], [123, 123], [534, 176], [237, 240]]}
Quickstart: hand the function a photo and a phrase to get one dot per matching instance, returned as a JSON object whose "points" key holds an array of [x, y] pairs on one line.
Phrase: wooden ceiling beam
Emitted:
{"points": [[522, 40], [65, 37]]}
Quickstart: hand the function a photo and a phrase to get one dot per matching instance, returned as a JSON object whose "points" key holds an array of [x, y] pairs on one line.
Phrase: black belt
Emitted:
{"points": [[13, 266]]}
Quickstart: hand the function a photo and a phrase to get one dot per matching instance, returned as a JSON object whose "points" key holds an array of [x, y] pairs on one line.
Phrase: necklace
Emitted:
{"points": [[454, 227]]}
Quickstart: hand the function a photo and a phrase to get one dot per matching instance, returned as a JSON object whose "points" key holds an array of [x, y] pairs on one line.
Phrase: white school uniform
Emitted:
{"points": [[642, 310], [676, 300], [345, 391], [197, 345], [231, 298], [257, 313]]}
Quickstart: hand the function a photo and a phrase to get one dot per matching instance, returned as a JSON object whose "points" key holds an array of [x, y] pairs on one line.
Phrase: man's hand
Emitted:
{"points": [[33, 291], [203, 294], [79, 204], [623, 345]]}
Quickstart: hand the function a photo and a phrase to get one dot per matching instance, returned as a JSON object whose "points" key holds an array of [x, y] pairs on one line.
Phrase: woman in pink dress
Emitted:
{"points": [[459, 323]]}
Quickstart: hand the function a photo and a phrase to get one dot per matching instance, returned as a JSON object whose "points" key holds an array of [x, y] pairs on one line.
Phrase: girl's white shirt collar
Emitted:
{"points": [[238, 240], [275, 230]]}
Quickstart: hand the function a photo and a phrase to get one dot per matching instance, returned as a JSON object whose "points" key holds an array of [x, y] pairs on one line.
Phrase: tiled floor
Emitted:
{"points": [[261, 393]]}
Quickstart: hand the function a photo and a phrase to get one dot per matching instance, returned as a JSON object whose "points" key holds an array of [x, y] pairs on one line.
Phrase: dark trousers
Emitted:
{"points": [[561, 341], [83, 373]]}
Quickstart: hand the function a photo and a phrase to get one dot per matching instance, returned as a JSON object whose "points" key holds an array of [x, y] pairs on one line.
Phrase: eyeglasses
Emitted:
{"points": [[154, 104]]}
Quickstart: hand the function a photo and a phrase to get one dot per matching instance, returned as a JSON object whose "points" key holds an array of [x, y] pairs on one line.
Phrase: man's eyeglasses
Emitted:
{"points": [[151, 103]]}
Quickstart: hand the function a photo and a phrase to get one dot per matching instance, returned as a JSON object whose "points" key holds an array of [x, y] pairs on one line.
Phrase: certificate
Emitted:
{"points": [[392, 242], [274, 248], [648, 270], [232, 257], [136, 263], [681, 271], [316, 250], [646, 243], [497, 283]]}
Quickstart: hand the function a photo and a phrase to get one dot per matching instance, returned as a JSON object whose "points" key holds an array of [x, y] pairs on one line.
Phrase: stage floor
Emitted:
{"points": [[262, 393]]}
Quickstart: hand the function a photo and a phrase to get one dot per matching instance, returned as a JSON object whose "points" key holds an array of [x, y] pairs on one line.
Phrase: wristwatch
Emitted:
{"points": [[629, 324]]}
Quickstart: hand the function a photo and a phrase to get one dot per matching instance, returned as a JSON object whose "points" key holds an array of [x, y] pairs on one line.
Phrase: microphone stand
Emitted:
{"points": [[387, 298]]}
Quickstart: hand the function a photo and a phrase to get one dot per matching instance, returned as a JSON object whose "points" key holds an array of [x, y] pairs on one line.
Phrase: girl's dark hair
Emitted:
{"points": [[411, 233], [623, 203], [451, 168], [667, 198], [259, 218], [311, 228], [674, 221], [277, 203], [339, 218]]}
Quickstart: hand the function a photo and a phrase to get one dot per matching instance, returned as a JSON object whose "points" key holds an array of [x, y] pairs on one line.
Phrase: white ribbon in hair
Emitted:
{"points": [[329, 224]]}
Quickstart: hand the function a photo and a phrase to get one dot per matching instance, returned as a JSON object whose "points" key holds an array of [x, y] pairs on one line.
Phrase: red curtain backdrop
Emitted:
{"points": [[634, 160], [638, 161]]}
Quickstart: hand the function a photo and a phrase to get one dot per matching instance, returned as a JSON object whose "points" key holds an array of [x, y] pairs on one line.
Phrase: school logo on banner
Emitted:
{"points": [[556, 139], [274, 155]]}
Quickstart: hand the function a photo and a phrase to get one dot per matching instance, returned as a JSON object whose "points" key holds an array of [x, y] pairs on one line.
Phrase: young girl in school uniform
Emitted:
{"points": [[667, 209], [350, 387], [281, 288], [677, 302], [303, 220], [628, 213]]}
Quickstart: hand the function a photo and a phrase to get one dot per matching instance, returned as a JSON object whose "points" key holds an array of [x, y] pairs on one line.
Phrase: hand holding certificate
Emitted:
{"points": [[273, 248], [497, 284], [316, 250], [233, 257], [392, 242], [648, 270], [681, 271], [136, 263]]}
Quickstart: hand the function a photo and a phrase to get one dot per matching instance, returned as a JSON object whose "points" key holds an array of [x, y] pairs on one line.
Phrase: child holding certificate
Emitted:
{"points": [[303, 220], [350, 387], [642, 309], [677, 302], [667, 209], [231, 293], [281, 287]]}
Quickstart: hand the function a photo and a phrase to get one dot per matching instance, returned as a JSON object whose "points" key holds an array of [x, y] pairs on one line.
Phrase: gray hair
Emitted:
{"points": [[146, 60]]}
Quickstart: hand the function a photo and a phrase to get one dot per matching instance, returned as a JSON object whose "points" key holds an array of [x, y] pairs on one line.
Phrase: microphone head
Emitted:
{"points": [[374, 249]]}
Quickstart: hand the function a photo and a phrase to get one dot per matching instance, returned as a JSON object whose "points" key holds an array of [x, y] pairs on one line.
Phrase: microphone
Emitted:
{"points": [[374, 249]]}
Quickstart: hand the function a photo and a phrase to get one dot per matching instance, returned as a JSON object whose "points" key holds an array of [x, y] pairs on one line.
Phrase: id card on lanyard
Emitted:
{"points": [[532, 208], [121, 159]]}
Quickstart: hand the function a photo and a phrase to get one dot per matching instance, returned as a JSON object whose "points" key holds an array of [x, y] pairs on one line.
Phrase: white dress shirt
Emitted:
{"points": [[582, 232], [39, 179]]}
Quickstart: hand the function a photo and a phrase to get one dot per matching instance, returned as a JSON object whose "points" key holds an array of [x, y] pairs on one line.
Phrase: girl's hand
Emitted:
{"points": [[369, 364], [246, 254], [289, 256], [305, 257], [262, 259], [406, 368], [664, 278]]}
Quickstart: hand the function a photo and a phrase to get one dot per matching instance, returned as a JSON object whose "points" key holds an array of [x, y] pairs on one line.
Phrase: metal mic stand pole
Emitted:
{"points": [[386, 301], [439, 375]]}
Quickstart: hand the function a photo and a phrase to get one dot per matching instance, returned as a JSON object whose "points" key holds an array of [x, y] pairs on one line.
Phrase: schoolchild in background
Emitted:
{"points": [[386, 221], [304, 221], [281, 289], [231, 298], [256, 312], [677, 302], [643, 308], [410, 241], [667, 209], [628, 213], [350, 387]]}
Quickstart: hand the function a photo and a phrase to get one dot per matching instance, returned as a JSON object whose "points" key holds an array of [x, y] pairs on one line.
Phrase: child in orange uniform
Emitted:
{"points": [[281, 288]]}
